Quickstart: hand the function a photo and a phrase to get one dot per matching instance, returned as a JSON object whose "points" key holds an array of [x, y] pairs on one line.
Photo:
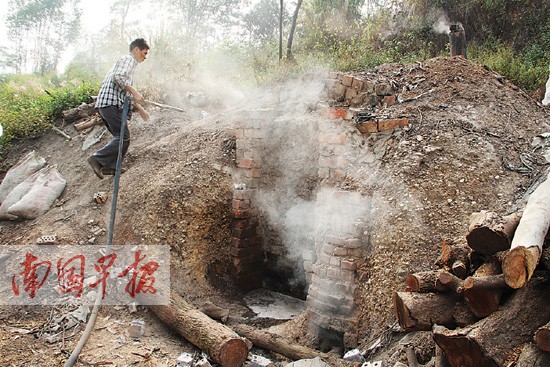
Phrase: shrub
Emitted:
{"points": [[29, 105]]}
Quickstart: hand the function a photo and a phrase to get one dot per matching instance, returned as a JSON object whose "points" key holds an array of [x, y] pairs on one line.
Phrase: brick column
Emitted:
{"points": [[246, 246]]}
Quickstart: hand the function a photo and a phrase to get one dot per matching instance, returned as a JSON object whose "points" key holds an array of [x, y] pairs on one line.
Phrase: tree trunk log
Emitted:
{"points": [[92, 121], [450, 281], [420, 311], [455, 251], [482, 301], [492, 341], [490, 233], [542, 337], [277, 343], [424, 282], [519, 264], [78, 113], [221, 343], [531, 356]]}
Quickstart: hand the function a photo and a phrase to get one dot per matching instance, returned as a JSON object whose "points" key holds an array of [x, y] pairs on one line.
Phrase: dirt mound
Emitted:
{"points": [[467, 148]]}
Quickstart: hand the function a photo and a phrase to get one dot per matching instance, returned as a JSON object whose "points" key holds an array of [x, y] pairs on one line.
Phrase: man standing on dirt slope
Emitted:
{"points": [[110, 103]]}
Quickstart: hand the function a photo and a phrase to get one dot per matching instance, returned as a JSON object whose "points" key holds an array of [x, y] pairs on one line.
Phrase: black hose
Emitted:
{"points": [[91, 322]]}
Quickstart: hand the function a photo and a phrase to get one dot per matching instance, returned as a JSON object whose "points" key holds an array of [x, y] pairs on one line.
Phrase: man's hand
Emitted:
{"points": [[144, 114], [138, 98]]}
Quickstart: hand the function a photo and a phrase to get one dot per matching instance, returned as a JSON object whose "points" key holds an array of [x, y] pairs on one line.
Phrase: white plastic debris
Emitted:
{"points": [[315, 362], [546, 100], [372, 364], [184, 360], [259, 361], [354, 355]]}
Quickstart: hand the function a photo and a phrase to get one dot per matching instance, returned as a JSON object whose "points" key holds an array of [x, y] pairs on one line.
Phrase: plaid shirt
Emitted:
{"points": [[112, 91]]}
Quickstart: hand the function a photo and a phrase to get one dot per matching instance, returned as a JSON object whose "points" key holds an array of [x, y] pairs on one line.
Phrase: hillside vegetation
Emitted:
{"points": [[510, 37]]}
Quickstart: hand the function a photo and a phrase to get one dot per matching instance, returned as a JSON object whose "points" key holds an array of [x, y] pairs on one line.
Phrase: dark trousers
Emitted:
{"points": [[112, 118]]}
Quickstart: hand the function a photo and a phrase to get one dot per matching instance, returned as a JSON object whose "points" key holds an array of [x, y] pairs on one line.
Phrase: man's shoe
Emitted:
{"points": [[95, 166], [111, 172]]}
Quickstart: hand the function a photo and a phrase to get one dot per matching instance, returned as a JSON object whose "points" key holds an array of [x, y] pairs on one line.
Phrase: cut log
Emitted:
{"points": [[519, 264], [277, 343], [484, 301], [221, 343], [450, 281], [424, 282], [542, 337], [493, 341], [490, 233], [90, 122], [81, 112], [420, 311], [463, 315], [531, 356], [455, 251], [215, 312], [485, 282]]}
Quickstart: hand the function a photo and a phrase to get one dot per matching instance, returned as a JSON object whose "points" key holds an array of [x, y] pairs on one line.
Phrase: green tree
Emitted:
{"points": [[202, 18], [41, 30], [262, 21]]}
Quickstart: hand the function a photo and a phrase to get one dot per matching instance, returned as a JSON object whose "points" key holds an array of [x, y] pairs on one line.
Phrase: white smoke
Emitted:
{"points": [[443, 24]]}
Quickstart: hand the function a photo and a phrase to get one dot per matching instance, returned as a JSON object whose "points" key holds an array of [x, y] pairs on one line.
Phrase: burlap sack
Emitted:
{"points": [[40, 197], [18, 192], [28, 165]]}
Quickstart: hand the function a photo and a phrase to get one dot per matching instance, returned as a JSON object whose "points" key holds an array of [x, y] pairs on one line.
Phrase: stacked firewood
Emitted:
{"points": [[490, 299]]}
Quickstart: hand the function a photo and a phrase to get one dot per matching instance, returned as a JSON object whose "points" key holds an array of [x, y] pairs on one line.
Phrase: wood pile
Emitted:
{"points": [[488, 305]]}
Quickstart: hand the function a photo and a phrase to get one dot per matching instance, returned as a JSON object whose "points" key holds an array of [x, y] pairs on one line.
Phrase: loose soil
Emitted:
{"points": [[467, 148]]}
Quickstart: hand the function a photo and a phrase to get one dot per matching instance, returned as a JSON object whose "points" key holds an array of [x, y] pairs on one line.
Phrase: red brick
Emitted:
{"points": [[243, 214], [243, 232], [336, 113], [347, 80], [350, 94], [348, 265], [248, 163], [338, 174], [240, 204], [332, 138], [245, 242], [243, 194], [245, 223], [390, 124], [368, 127], [357, 84]]}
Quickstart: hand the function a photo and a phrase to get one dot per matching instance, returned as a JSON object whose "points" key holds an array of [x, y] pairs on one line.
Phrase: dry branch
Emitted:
{"points": [[483, 301], [450, 281], [423, 282], [277, 343], [80, 112], [526, 248]]}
